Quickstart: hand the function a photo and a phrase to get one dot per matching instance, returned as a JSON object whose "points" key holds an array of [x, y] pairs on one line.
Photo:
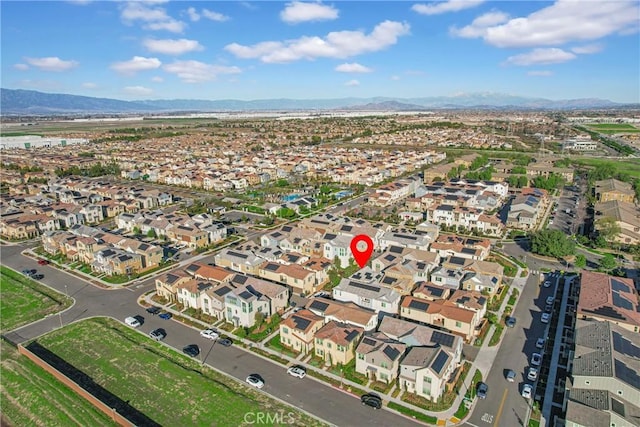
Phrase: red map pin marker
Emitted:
{"points": [[362, 256]]}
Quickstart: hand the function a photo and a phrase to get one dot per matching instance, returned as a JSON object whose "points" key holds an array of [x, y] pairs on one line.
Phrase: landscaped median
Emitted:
{"points": [[151, 382]]}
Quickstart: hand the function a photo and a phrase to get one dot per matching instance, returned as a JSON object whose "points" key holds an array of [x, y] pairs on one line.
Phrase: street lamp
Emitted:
{"points": [[65, 290]]}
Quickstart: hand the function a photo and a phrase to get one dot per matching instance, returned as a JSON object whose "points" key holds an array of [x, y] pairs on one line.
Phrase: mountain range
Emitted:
{"points": [[29, 102]]}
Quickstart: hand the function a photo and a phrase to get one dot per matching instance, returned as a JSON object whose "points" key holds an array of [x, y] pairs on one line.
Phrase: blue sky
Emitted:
{"points": [[304, 50]]}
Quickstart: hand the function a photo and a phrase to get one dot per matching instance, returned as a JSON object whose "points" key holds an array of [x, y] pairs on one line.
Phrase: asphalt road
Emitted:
{"points": [[504, 406], [317, 398]]}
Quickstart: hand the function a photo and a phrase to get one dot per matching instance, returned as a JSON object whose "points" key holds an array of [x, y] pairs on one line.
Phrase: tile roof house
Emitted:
{"points": [[344, 312], [425, 371], [609, 298], [368, 295], [457, 320], [336, 342], [378, 357], [298, 330]]}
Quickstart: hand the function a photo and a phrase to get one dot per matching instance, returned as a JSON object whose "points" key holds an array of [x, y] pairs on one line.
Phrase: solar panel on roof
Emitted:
{"points": [[607, 311], [287, 228], [272, 267], [237, 254], [192, 267], [388, 280], [626, 374], [369, 341], [617, 407], [468, 251], [319, 305], [390, 257], [396, 249], [143, 247], [622, 345], [300, 322], [391, 352], [406, 236], [363, 286], [346, 228], [246, 294], [239, 279], [618, 286], [222, 291], [418, 305], [330, 236], [620, 301], [351, 335], [440, 361], [444, 339]]}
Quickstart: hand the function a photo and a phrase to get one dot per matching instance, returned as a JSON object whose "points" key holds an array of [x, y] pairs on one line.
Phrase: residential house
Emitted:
{"points": [[299, 278], [378, 357], [336, 342], [167, 284], [451, 279], [241, 261], [625, 215], [457, 320], [374, 297], [297, 331], [425, 371], [612, 189], [344, 312]]}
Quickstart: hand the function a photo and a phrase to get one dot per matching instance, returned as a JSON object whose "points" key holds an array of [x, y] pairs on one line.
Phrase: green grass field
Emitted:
{"points": [[169, 388], [630, 167], [611, 128], [30, 396], [24, 300]]}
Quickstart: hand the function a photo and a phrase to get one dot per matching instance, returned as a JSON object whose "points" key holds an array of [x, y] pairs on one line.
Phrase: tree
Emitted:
{"points": [[259, 318], [552, 243], [580, 262], [608, 228], [608, 262], [152, 233]]}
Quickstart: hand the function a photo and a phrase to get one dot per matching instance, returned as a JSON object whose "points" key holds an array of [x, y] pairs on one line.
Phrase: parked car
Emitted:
{"points": [[43, 261], [255, 380], [482, 390], [191, 350], [547, 283], [511, 375], [510, 321], [38, 276], [532, 375], [209, 334], [297, 371], [372, 400], [527, 391], [158, 334], [154, 310], [226, 342], [165, 315], [132, 321], [545, 317], [536, 359], [28, 272], [549, 299], [540, 343]]}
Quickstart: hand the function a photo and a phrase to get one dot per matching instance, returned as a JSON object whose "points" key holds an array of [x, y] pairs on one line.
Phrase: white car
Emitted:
{"points": [[209, 334], [297, 371], [545, 317], [547, 283], [255, 380], [532, 374], [132, 321], [527, 390], [540, 343], [536, 359]]}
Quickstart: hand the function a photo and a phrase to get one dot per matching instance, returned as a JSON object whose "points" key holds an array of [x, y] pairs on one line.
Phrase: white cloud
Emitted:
{"points": [[563, 22], [214, 16], [138, 90], [193, 14], [154, 18], [296, 12], [137, 63], [51, 63], [353, 67], [551, 55], [197, 72], [395, 77], [89, 85], [21, 67], [588, 49], [540, 73], [171, 46], [479, 26], [338, 44], [352, 83], [157, 79], [437, 8]]}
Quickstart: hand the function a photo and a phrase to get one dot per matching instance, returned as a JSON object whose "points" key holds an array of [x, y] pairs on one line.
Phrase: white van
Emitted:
{"points": [[132, 321]]}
